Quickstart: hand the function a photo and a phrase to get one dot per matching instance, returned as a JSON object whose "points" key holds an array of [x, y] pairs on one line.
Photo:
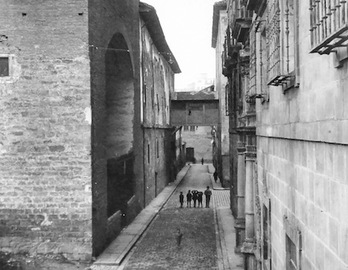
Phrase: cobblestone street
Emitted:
{"points": [[158, 250]]}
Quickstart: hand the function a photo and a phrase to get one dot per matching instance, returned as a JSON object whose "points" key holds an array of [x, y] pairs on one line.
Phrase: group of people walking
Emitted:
{"points": [[197, 198]]}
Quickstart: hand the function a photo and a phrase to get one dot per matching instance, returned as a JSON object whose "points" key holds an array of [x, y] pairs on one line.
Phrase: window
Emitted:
{"points": [[193, 128], [293, 245], [329, 25], [157, 148], [291, 254], [266, 248], [148, 153], [283, 28], [158, 105], [4, 67]]}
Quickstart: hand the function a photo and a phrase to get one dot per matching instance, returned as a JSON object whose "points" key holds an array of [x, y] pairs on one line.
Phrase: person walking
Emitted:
{"points": [[194, 197], [178, 237], [202, 160], [181, 199], [200, 199], [207, 194], [189, 198], [215, 176]]}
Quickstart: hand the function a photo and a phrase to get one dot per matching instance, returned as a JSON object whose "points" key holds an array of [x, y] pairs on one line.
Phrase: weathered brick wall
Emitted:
{"points": [[107, 20], [45, 162]]}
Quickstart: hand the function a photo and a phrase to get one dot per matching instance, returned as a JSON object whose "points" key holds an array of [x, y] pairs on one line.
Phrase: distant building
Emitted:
{"points": [[85, 139], [197, 113]]}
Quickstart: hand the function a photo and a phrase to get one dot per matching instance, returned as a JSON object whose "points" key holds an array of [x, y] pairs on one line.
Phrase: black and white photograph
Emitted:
{"points": [[173, 135]]}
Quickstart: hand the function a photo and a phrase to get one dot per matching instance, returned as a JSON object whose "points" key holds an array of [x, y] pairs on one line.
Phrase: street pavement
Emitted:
{"points": [[208, 235]]}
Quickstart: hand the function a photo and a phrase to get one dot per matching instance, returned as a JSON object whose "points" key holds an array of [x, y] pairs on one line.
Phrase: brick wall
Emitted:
{"points": [[119, 20], [45, 162]]}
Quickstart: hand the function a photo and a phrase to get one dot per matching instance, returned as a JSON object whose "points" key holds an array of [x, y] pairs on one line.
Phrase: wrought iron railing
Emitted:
{"points": [[239, 12], [329, 25]]}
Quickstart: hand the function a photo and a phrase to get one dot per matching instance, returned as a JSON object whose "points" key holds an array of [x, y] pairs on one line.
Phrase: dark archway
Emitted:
{"points": [[119, 125]]}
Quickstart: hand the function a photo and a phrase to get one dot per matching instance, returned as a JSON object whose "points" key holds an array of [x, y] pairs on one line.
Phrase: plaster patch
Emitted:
{"points": [[88, 115]]}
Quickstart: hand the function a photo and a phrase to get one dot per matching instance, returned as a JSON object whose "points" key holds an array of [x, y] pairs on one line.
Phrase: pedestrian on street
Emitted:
{"points": [[200, 199], [202, 160], [181, 199], [215, 176], [207, 194], [189, 198], [194, 197], [178, 237]]}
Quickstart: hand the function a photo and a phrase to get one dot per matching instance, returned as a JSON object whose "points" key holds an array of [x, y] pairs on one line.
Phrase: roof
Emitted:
{"points": [[207, 93], [218, 6], [149, 16]]}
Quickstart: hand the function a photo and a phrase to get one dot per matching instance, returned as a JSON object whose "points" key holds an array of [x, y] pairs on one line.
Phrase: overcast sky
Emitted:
{"points": [[187, 26]]}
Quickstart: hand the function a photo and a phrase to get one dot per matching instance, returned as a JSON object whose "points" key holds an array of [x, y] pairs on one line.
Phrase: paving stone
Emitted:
{"points": [[158, 249]]}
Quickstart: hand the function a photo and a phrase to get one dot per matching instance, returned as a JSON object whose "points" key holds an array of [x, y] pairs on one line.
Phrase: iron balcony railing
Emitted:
{"points": [[240, 17], [329, 25]]}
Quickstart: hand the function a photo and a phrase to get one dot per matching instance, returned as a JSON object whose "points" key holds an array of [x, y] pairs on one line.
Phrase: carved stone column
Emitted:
{"points": [[249, 193], [240, 220], [249, 244], [241, 180]]}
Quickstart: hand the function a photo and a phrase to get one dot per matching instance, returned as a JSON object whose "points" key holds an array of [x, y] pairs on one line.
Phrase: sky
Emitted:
{"points": [[187, 26]]}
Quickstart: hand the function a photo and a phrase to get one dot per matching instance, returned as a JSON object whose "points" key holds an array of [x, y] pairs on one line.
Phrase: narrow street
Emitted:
{"points": [[158, 250]]}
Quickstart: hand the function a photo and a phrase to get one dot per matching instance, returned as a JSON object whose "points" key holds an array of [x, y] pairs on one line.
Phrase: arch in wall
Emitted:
{"points": [[119, 128]]}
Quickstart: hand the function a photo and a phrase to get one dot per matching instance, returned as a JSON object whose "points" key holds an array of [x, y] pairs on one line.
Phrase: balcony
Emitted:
{"points": [[329, 25], [258, 6], [240, 19], [230, 58]]}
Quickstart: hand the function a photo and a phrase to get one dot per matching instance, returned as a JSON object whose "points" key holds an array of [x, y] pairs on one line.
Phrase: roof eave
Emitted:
{"points": [[149, 16]]}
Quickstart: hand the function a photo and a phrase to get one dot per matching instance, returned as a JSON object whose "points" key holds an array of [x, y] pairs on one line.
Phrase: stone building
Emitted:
{"points": [[81, 149], [290, 59], [222, 131], [195, 135]]}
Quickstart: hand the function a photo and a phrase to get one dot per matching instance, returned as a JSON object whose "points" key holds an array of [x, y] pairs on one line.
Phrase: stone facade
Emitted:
{"points": [[157, 88], [223, 132], [293, 197], [72, 123], [200, 139]]}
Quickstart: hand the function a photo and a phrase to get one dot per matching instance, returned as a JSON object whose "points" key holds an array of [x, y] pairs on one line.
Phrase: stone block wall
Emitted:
{"points": [[307, 183], [45, 140], [303, 155], [200, 140]]}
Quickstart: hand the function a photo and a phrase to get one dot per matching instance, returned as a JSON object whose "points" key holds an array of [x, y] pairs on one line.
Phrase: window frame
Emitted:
{"points": [[292, 234], [278, 21], [289, 42], [8, 66]]}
